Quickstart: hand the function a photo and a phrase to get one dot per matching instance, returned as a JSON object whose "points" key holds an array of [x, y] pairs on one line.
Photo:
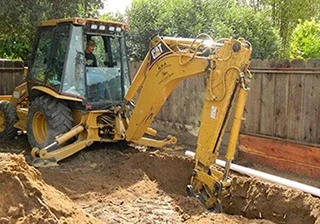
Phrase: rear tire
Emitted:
{"points": [[47, 118], [8, 117]]}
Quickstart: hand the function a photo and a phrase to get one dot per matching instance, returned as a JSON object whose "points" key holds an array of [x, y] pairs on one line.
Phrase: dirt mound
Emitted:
{"points": [[126, 185], [26, 198], [172, 173], [255, 198]]}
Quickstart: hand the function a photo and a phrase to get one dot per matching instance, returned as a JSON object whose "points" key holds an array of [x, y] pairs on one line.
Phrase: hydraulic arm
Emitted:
{"points": [[170, 61]]}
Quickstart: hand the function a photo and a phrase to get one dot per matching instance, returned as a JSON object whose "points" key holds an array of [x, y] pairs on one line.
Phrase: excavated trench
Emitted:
{"points": [[105, 184]]}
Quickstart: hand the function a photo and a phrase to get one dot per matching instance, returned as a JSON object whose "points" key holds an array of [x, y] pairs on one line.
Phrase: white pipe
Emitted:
{"points": [[279, 180]]}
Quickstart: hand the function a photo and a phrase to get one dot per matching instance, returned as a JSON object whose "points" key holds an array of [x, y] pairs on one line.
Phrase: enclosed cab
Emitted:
{"points": [[59, 65], [63, 85]]}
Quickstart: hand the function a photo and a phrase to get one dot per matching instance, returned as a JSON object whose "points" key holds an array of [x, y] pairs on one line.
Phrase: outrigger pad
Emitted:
{"points": [[39, 162]]}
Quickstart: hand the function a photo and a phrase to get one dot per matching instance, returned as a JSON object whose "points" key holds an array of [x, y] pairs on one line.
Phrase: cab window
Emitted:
{"points": [[58, 55], [41, 54]]}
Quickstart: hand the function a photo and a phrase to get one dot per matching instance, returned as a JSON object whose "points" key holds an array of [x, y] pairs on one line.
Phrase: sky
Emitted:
{"points": [[116, 5]]}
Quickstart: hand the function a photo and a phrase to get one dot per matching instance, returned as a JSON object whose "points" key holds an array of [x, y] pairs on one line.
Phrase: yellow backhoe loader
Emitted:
{"points": [[65, 105]]}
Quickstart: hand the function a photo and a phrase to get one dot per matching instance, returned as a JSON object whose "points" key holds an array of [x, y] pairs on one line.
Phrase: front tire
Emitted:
{"points": [[47, 118], [8, 117]]}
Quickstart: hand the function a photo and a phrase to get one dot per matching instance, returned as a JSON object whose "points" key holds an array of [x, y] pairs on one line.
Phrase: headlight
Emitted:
{"points": [[102, 27], [94, 26]]}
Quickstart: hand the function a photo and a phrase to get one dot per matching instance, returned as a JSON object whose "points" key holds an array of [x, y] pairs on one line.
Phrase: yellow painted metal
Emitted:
{"points": [[160, 81], [55, 94], [151, 131], [222, 89], [25, 71], [39, 127], [5, 97], [92, 127], [65, 151], [226, 84], [22, 114], [77, 116], [81, 21], [20, 94], [70, 134], [119, 131], [2, 121], [236, 125], [170, 140]]}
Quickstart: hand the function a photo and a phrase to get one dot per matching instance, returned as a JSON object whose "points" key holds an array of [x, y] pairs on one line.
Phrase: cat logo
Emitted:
{"points": [[159, 51], [156, 51]]}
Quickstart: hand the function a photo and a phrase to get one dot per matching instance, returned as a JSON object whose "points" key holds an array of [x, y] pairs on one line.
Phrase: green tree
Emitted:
{"points": [[286, 14], [187, 18], [18, 19], [305, 42]]}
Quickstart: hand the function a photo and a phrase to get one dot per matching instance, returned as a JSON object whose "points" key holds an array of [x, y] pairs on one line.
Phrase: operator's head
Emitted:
{"points": [[90, 46]]}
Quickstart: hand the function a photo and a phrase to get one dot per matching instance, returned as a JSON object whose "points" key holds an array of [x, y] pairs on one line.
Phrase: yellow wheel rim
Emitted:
{"points": [[2, 121], [39, 127]]}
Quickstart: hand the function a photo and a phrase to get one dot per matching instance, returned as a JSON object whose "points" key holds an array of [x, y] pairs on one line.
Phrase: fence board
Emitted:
{"points": [[2, 86], [267, 104], [11, 73], [175, 105], [197, 92], [281, 106], [253, 107], [185, 98], [295, 99], [311, 108]]}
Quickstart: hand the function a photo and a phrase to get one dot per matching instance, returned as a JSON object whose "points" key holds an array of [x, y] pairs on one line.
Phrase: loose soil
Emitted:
{"points": [[109, 183]]}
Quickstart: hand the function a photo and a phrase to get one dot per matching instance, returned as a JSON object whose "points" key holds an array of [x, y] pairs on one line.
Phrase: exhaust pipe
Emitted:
{"points": [[265, 176]]}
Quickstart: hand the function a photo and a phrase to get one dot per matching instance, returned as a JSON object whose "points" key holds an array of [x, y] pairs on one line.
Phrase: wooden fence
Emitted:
{"points": [[11, 73], [284, 100]]}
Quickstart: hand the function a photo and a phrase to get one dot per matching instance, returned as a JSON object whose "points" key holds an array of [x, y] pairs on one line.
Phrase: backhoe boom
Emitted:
{"points": [[169, 62]]}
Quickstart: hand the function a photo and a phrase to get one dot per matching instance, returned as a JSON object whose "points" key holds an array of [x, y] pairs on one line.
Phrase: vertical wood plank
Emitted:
{"points": [[7, 86], [311, 111], [295, 103], [200, 97], [175, 104], [185, 102], [251, 124], [314, 119], [1, 77], [267, 104], [195, 90], [281, 105]]}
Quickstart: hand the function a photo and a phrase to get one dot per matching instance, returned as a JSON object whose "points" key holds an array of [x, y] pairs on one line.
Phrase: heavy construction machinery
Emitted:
{"points": [[65, 106]]}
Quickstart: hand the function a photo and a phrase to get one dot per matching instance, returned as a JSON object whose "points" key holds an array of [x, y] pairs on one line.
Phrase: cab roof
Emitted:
{"points": [[81, 21]]}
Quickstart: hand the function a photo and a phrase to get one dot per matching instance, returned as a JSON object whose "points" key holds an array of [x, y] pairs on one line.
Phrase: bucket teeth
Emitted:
{"points": [[38, 162]]}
